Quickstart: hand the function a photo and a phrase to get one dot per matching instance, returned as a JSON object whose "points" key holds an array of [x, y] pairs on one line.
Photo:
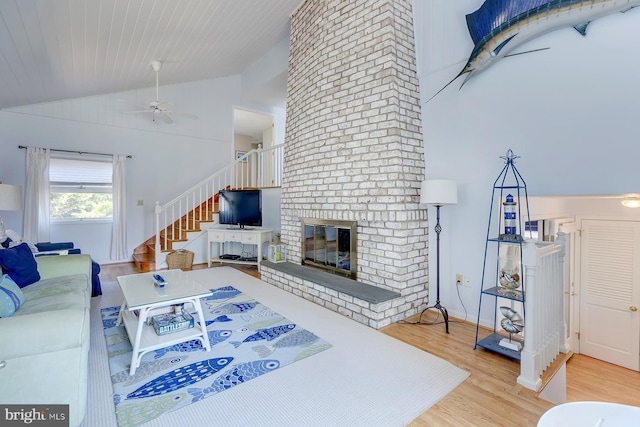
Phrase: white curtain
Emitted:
{"points": [[119, 231], [36, 204]]}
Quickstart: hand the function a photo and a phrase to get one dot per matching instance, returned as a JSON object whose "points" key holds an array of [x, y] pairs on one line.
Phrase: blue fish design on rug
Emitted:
{"points": [[235, 376], [223, 318], [224, 293], [173, 377], [215, 337], [268, 334], [146, 369], [231, 308], [181, 377], [299, 338]]}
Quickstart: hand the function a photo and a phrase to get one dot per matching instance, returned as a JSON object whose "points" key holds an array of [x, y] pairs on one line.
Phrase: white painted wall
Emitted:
{"points": [[569, 112], [167, 159]]}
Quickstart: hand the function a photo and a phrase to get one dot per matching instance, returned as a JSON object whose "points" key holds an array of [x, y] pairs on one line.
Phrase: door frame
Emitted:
{"points": [[571, 228]]}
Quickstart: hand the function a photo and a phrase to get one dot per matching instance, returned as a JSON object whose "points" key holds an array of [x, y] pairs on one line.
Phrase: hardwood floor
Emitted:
{"points": [[490, 396]]}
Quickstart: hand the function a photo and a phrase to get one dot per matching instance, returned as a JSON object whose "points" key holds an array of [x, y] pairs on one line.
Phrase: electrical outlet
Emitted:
{"points": [[459, 279]]}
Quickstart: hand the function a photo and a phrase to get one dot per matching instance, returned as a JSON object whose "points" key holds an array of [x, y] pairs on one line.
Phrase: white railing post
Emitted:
{"points": [[260, 167], [564, 346], [158, 211], [545, 326], [529, 357]]}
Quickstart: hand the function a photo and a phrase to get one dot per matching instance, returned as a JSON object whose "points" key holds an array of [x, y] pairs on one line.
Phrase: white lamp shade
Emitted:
{"points": [[438, 192], [10, 197]]}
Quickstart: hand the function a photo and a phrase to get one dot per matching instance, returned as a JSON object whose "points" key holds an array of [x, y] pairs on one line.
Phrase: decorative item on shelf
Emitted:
{"points": [[510, 222], [509, 279], [277, 252], [513, 323], [182, 259]]}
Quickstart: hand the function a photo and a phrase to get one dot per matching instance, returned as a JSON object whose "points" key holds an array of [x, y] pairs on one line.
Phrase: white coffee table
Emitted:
{"points": [[141, 295]]}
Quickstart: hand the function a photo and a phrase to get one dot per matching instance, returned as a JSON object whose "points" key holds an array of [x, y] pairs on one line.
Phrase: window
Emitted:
{"points": [[80, 189], [531, 229]]}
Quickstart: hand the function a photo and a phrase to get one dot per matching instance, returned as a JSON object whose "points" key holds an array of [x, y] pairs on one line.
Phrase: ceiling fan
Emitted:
{"points": [[161, 108]]}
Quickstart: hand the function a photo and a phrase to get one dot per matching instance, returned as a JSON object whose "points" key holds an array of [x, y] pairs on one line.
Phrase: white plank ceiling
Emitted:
{"points": [[61, 49]]}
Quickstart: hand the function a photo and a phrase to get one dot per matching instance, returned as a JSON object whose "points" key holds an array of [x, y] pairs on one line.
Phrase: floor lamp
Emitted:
{"points": [[438, 192], [10, 200]]}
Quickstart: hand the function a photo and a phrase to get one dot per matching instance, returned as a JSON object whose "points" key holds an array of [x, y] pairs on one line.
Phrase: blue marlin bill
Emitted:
{"points": [[498, 27]]}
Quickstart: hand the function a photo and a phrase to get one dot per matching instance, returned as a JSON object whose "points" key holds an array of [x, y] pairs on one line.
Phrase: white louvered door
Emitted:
{"points": [[610, 292]]}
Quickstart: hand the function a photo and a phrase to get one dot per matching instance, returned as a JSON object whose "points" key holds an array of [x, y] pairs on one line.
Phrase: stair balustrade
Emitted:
{"points": [[545, 329], [258, 168]]}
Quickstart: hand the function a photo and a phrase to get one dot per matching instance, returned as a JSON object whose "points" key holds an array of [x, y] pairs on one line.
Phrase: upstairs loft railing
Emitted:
{"points": [[545, 329], [258, 168]]}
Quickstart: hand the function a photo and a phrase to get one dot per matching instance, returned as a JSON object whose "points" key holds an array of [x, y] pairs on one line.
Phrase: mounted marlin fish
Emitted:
{"points": [[498, 27]]}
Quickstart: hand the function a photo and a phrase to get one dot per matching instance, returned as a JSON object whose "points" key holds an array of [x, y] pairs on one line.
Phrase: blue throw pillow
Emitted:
{"points": [[5, 244], [18, 262], [11, 297]]}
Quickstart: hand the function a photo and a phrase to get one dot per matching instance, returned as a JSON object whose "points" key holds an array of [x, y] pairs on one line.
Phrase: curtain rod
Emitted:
{"points": [[24, 147]]}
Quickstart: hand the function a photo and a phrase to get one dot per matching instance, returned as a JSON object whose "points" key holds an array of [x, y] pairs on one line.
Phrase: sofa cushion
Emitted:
{"points": [[11, 297], [57, 293], [43, 332], [19, 263], [54, 316]]}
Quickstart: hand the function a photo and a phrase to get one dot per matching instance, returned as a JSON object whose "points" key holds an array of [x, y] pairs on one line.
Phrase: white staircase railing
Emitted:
{"points": [[258, 168], [545, 326]]}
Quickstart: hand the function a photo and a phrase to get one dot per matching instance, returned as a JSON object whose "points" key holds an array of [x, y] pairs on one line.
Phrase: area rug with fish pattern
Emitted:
{"points": [[247, 339]]}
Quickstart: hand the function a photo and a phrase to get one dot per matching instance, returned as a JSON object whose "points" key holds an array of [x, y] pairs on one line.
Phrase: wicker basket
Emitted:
{"points": [[181, 258]]}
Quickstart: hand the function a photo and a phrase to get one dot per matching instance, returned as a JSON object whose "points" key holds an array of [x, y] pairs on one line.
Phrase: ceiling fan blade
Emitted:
{"points": [[185, 115], [165, 117], [136, 112]]}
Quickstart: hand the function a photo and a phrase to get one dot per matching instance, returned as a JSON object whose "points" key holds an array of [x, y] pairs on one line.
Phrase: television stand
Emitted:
{"points": [[246, 236]]}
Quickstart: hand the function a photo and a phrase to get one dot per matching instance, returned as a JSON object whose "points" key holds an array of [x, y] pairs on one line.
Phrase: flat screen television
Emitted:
{"points": [[240, 207]]}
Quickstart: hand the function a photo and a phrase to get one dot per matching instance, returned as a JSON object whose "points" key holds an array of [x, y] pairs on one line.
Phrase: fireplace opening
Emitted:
{"points": [[330, 245]]}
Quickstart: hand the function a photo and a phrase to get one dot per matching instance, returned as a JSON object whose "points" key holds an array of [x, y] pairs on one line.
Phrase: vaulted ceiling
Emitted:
{"points": [[61, 49]]}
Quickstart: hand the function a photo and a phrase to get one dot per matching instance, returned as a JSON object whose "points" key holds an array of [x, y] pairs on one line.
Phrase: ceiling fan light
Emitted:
{"points": [[631, 202]]}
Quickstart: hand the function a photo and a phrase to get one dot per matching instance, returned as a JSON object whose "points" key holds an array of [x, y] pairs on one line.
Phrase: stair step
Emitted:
{"points": [[197, 220], [144, 262]]}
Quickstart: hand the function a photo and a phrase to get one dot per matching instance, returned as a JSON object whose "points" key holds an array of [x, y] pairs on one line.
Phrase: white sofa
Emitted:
{"points": [[44, 346]]}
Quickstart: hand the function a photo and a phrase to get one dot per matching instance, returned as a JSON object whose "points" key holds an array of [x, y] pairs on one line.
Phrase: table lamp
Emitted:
{"points": [[10, 200]]}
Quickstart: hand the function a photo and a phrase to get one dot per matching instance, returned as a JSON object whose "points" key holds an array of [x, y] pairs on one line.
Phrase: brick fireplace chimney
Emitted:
{"points": [[354, 149]]}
